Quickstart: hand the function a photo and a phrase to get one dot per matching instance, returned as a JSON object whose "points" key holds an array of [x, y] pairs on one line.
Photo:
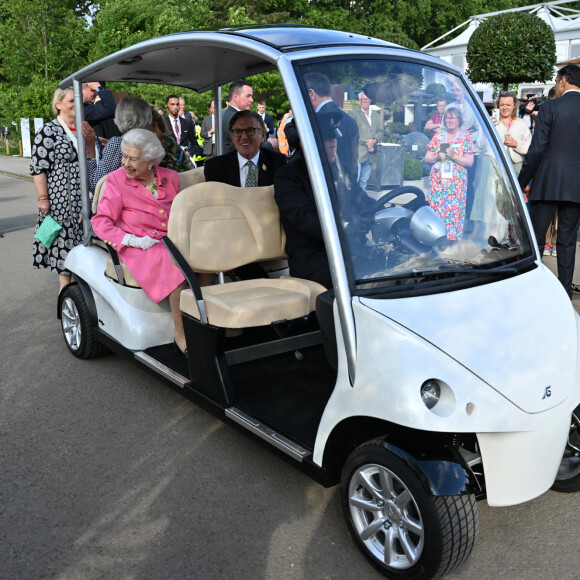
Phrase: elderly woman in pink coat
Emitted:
{"points": [[132, 216]]}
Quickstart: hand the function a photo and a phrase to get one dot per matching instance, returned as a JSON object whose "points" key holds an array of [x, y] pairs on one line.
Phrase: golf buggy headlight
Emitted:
{"points": [[430, 393]]}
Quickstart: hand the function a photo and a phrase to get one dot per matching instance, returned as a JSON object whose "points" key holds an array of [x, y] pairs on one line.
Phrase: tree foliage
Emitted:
{"points": [[43, 41], [35, 41], [512, 47]]}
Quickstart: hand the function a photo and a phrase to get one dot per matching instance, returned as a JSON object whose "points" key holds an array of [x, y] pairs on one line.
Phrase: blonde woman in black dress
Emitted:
{"points": [[55, 169]]}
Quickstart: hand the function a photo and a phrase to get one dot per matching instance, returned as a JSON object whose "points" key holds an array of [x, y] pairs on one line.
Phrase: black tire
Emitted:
{"points": [[403, 530], [77, 329], [568, 478]]}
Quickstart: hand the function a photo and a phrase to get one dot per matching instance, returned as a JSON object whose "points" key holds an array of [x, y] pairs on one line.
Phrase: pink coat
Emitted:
{"points": [[127, 207]]}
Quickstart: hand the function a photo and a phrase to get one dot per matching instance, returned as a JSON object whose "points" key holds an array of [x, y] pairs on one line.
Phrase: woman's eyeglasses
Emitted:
{"points": [[250, 132], [507, 93]]}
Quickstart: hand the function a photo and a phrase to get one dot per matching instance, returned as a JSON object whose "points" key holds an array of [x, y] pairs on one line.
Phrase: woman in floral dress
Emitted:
{"points": [[451, 151], [55, 169]]}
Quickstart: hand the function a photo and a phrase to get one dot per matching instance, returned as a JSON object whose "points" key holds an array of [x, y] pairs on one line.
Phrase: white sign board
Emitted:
{"points": [[25, 130], [38, 123]]}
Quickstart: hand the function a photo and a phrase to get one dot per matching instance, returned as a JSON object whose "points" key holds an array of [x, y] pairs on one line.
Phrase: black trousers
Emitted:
{"points": [[541, 214]]}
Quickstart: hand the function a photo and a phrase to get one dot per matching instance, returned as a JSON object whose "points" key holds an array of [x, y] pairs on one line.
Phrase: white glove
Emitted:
{"points": [[144, 243]]}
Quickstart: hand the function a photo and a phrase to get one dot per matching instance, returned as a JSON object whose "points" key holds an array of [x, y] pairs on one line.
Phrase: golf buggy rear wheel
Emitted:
{"points": [[76, 324], [568, 478], [403, 530]]}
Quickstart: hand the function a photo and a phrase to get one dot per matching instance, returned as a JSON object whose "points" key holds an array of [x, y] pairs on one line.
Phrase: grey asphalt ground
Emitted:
{"points": [[105, 472]]}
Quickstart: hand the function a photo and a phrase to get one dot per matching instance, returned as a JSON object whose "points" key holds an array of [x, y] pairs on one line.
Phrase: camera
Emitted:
{"points": [[530, 102]]}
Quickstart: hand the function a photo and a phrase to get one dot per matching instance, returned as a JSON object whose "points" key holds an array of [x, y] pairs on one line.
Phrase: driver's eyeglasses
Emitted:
{"points": [[364, 99], [250, 131]]}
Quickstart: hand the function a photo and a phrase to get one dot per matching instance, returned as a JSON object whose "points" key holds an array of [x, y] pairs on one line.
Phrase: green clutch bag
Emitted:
{"points": [[47, 232]]}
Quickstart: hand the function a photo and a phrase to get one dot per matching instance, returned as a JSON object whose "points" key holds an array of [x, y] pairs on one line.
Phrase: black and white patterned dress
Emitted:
{"points": [[54, 154], [111, 159]]}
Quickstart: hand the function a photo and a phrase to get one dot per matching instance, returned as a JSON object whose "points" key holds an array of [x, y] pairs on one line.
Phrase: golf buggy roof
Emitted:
{"points": [[202, 60]]}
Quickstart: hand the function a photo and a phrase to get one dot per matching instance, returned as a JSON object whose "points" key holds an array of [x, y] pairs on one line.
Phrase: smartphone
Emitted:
{"points": [[495, 114]]}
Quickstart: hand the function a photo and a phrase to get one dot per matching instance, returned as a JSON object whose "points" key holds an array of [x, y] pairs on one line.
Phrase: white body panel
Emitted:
{"points": [[482, 356], [126, 314]]}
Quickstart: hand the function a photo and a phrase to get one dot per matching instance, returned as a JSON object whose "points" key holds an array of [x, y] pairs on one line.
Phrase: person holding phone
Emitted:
{"points": [[513, 131], [450, 151]]}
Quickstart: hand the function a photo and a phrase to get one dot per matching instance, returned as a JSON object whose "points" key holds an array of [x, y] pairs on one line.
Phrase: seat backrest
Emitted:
{"points": [[219, 227], [99, 189], [191, 177]]}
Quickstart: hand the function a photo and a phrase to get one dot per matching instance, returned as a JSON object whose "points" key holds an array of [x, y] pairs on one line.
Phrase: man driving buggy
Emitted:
{"points": [[305, 247]]}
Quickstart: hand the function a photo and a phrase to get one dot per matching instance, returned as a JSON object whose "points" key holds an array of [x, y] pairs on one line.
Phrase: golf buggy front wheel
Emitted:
{"points": [[403, 530], [568, 478], [76, 324]]}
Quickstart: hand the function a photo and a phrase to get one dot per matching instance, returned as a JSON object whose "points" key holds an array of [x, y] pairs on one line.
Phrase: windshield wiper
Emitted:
{"points": [[464, 269]]}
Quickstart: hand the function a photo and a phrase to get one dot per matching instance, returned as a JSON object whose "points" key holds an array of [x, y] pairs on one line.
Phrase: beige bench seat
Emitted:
{"points": [[218, 227], [254, 302]]}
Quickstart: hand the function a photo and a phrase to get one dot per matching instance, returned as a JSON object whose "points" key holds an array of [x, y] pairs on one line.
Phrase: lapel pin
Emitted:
{"points": [[264, 167]]}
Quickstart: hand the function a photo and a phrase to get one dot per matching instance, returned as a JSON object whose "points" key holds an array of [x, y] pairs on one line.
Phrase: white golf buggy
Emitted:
{"points": [[415, 382]]}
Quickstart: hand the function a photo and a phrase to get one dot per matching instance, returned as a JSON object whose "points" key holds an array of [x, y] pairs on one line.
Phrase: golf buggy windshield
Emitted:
{"points": [[419, 185]]}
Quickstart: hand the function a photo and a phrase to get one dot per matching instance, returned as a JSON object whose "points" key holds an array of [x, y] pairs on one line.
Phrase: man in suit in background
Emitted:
{"points": [[319, 94], [183, 113], [268, 120], [370, 134], [248, 165], [96, 115], [551, 164], [183, 130], [208, 133], [240, 98]]}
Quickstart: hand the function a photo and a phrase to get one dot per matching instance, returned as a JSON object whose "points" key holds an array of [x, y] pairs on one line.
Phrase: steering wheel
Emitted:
{"points": [[419, 201]]}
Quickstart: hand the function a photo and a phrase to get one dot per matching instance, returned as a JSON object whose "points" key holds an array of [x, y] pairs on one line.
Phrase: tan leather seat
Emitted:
{"points": [[99, 189], [191, 177], [218, 227]]}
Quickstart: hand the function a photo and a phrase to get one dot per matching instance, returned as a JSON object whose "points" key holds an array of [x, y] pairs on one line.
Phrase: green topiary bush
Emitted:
{"points": [[513, 47], [413, 169]]}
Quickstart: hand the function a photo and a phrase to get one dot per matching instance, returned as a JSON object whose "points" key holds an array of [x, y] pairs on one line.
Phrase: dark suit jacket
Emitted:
{"points": [[304, 242], [187, 136], [347, 144], [226, 169], [108, 126], [208, 148], [227, 138], [269, 120], [551, 161], [102, 111]]}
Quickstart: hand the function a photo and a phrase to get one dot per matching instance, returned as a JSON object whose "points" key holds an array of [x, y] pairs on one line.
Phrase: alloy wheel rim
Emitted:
{"points": [[71, 324], [386, 516]]}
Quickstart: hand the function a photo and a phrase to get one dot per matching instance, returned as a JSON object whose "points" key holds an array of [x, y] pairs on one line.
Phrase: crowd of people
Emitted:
{"points": [[141, 148], [541, 140]]}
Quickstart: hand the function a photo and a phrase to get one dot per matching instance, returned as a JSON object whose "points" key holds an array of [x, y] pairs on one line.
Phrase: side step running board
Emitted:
{"points": [[279, 441], [173, 376]]}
